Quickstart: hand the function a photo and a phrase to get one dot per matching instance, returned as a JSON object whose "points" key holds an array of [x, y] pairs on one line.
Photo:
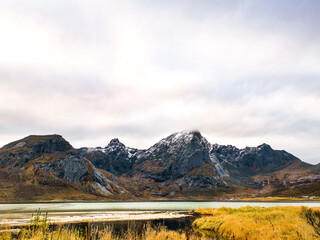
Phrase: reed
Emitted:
{"points": [[40, 229]]}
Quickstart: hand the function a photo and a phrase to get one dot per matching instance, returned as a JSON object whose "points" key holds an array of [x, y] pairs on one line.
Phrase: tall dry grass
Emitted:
{"points": [[107, 234], [256, 223], [39, 229]]}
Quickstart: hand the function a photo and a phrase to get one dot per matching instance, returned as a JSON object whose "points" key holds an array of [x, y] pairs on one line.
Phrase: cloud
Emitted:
{"points": [[243, 73]]}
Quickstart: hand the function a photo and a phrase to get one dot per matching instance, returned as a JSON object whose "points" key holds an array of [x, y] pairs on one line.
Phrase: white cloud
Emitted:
{"points": [[141, 70]]}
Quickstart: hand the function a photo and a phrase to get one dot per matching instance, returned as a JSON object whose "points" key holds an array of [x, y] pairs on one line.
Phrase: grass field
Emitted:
{"points": [[257, 223]]}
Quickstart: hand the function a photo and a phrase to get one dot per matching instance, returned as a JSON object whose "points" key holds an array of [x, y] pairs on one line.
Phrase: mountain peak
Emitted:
{"points": [[115, 142], [42, 143], [264, 146], [185, 136], [22, 151], [191, 132]]}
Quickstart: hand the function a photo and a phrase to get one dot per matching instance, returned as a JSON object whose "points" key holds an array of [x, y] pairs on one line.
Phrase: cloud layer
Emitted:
{"points": [[241, 72]]}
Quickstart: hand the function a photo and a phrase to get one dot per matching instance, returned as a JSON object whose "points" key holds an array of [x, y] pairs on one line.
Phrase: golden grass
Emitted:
{"points": [[148, 233], [256, 223]]}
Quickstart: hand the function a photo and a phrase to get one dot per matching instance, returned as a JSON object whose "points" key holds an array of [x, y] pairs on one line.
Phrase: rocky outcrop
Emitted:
{"points": [[41, 144], [53, 155], [115, 158], [200, 181], [20, 152], [73, 168], [253, 160]]}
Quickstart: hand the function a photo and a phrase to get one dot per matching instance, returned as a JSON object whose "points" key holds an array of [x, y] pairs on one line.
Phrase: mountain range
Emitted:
{"points": [[181, 166]]}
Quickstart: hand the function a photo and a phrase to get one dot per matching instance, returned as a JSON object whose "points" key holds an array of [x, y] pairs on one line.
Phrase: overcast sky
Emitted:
{"points": [[241, 72]]}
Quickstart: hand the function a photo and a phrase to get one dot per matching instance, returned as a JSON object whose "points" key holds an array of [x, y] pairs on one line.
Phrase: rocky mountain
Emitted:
{"points": [[182, 166], [45, 162], [115, 158]]}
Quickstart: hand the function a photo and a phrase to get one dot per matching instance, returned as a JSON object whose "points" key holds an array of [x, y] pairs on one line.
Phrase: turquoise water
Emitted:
{"points": [[136, 206]]}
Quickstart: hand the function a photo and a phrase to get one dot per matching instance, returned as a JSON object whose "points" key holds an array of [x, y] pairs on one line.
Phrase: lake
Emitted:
{"points": [[139, 206]]}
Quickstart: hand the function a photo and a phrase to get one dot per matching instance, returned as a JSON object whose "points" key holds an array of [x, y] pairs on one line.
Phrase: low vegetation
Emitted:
{"points": [[160, 233], [256, 223], [40, 229]]}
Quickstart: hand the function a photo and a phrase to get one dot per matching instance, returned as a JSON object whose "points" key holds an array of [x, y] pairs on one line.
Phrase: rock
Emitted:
{"points": [[173, 157], [115, 158], [20, 152], [253, 159], [200, 181], [74, 169]]}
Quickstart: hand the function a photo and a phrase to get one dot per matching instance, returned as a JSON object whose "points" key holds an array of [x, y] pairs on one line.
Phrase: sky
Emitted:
{"points": [[241, 72]]}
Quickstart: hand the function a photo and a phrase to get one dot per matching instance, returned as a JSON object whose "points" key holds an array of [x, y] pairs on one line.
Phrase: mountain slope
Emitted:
{"points": [[183, 165], [45, 162], [115, 158]]}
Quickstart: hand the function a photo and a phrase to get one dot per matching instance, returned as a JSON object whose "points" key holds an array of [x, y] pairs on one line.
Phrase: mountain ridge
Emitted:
{"points": [[184, 165]]}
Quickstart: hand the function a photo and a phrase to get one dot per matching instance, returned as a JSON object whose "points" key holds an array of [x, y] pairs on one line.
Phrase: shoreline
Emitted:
{"points": [[56, 218]]}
